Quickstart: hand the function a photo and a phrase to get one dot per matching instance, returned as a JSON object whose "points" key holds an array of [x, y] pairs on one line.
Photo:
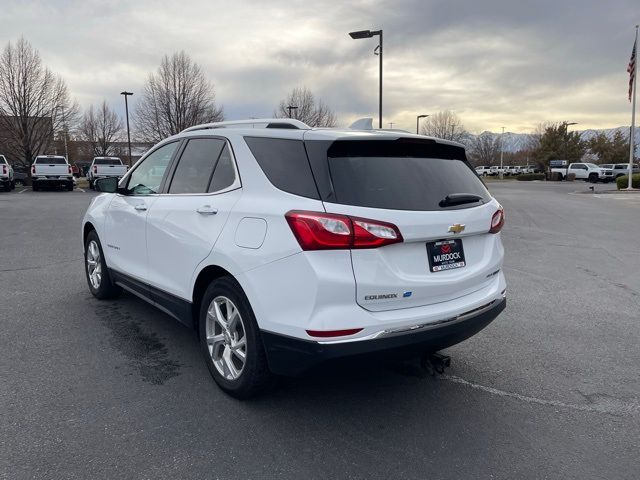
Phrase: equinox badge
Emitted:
{"points": [[456, 228]]}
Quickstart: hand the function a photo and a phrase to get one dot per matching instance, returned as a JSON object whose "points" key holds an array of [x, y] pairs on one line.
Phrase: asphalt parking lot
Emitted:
{"points": [[551, 389]]}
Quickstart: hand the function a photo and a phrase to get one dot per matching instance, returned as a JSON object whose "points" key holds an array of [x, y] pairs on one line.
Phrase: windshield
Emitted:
{"points": [[592, 165]]}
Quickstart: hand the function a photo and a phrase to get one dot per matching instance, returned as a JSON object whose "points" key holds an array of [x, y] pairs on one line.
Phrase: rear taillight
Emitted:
{"points": [[95, 169], [33, 169], [70, 171], [497, 221], [327, 231], [4, 169]]}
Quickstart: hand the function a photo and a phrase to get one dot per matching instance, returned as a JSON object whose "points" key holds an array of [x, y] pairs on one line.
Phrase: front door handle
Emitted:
{"points": [[207, 210], [141, 207]]}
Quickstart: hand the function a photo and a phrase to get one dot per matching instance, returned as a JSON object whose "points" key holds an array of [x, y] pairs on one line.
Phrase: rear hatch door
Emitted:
{"points": [[447, 250]]}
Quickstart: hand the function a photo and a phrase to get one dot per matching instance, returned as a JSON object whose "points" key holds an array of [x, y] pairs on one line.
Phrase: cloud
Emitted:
{"points": [[494, 63]]}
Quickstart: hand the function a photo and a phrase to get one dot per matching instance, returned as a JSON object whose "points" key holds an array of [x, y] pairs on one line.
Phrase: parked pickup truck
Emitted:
{"points": [[621, 169], [103, 167], [483, 171], [51, 171], [589, 172], [6, 175]]}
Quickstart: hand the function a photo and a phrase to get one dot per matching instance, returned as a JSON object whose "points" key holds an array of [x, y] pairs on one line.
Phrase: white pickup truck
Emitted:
{"points": [[6, 175], [589, 172], [51, 171], [103, 167]]}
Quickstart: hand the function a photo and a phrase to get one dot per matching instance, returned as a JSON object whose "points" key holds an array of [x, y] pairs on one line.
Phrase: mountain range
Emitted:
{"points": [[514, 142]]}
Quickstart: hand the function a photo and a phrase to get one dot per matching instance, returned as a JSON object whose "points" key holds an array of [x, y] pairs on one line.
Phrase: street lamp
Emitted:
{"points": [[566, 136], [291, 107], [126, 109], [378, 51], [501, 149], [418, 121]]}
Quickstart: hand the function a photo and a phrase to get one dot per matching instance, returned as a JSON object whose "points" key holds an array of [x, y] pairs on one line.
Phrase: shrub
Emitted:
{"points": [[570, 177], [527, 177], [623, 182]]}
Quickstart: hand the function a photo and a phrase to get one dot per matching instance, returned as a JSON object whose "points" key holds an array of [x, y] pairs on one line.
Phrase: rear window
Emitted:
{"points": [[107, 161], [285, 164], [51, 160], [401, 174]]}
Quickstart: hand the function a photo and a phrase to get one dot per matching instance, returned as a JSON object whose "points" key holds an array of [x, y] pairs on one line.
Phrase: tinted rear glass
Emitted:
{"points": [[285, 164], [400, 176], [107, 161], [51, 161]]}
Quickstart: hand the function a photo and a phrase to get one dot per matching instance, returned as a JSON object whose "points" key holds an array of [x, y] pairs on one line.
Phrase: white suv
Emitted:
{"points": [[286, 246]]}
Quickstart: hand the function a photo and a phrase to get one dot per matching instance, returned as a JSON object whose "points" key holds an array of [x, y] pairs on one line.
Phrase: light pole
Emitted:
{"points": [[65, 131], [418, 122], [291, 107], [126, 109], [378, 51], [566, 137], [501, 150]]}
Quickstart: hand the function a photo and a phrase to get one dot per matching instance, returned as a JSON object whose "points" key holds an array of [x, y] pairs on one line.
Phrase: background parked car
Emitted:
{"points": [[6, 175], [621, 169], [51, 171], [483, 171], [21, 175], [103, 167]]}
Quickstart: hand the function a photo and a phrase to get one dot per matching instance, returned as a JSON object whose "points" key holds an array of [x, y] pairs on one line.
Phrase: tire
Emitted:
{"points": [[13, 185], [35, 187], [593, 178], [103, 288], [90, 185], [238, 379], [70, 187]]}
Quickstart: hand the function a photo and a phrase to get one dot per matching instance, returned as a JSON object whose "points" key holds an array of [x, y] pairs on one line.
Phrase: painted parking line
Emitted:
{"points": [[22, 191]]}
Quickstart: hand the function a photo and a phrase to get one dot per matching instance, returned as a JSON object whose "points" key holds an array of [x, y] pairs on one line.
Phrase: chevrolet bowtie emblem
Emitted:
{"points": [[456, 228]]}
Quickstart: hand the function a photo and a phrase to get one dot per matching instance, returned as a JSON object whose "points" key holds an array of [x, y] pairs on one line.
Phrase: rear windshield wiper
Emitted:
{"points": [[459, 199]]}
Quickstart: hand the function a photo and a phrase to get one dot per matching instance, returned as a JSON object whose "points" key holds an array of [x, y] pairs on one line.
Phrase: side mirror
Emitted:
{"points": [[107, 185]]}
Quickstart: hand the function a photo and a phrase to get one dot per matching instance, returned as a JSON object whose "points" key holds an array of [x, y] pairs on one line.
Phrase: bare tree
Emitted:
{"points": [[176, 97], [446, 125], [101, 127], [307, 111], [484, 149], [34, 103]]}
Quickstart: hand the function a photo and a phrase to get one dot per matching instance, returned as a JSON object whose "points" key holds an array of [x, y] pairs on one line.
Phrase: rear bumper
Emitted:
{"points": [[292, 356], [53, 181]]}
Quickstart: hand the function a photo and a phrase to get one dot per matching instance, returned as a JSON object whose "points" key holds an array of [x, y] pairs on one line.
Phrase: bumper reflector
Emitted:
{"points": [[333, 333]]}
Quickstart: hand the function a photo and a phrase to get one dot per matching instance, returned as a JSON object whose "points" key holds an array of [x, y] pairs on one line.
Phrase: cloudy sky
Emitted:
{"points": [[495, 63]]}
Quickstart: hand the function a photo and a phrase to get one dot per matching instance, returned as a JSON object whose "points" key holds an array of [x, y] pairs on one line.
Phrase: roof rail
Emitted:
{"points": [[253, 123]]}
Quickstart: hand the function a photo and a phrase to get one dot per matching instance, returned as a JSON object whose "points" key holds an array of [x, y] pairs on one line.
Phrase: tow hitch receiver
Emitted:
{"points": [[435, 363]]}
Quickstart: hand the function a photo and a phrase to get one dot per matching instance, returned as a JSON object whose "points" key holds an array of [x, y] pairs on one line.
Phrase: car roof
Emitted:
{"points": [[288, 128]]}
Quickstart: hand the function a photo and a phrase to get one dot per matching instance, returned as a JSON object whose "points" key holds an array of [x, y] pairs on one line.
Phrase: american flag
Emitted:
{"points": [[631, 69]]}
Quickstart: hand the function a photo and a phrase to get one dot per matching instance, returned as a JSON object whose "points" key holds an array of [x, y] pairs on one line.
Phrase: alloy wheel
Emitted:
{"points": [[94, 265], [226, 337]]}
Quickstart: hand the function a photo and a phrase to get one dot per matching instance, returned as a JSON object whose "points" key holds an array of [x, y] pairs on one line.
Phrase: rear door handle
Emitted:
{"points": [[207, 210], [141, 207]]}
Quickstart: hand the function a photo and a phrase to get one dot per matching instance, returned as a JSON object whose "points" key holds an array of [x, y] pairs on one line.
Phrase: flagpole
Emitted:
{"points": [[632, 136]]}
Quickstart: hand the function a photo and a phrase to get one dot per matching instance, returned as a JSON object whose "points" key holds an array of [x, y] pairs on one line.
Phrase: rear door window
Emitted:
{"points": [[395, 175], [195, 168]]}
